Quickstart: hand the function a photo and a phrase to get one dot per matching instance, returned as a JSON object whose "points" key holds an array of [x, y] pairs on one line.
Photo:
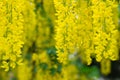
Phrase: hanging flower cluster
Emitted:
{"points": [[67, 29], [11, 33], [105, 35]]}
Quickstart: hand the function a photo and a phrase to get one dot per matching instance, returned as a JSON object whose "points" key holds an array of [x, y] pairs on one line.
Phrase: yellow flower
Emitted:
{"points": [[5, 65]]}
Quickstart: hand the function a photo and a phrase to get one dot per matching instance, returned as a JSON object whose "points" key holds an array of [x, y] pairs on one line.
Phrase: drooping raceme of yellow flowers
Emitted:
{"points": [[105, 35], [11, 33], [67, 29]]}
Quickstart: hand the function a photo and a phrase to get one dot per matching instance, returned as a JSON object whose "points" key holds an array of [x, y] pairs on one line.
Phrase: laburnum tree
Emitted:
{"points": [[58, 39]]}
